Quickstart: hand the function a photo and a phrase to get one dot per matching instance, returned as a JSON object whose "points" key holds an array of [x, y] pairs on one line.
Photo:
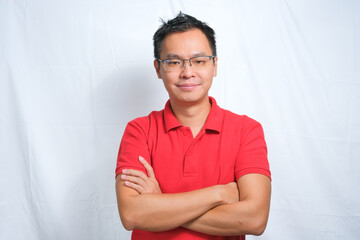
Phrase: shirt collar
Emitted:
{"points": [[213, 121]]}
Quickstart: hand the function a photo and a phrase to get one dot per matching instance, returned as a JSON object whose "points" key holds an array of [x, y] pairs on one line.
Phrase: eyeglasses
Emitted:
{"points": [[197, 63]]}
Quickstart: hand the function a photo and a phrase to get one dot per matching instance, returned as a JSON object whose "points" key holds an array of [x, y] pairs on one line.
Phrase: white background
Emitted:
{"points": [[74, 72]]}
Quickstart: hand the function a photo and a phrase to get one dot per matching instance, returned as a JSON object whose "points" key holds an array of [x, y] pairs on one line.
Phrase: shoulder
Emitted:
{"points": [[144, 123], [241, 120], [241, 127]]}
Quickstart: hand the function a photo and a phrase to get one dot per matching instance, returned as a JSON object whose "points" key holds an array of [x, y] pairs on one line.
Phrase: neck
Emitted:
{"points": [[192, 115]]}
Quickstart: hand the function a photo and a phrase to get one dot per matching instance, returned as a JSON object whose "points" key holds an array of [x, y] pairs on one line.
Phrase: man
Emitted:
{"points": [[192, 170]]}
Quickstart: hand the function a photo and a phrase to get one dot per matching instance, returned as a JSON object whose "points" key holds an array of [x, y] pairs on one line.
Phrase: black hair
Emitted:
{"points": [[182, 23]]}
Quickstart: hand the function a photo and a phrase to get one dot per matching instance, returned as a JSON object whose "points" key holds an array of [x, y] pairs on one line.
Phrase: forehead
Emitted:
{"points": [[185, 44]]}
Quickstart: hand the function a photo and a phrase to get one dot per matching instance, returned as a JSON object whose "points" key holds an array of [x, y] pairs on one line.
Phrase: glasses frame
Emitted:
{"points": [[183, 61]]}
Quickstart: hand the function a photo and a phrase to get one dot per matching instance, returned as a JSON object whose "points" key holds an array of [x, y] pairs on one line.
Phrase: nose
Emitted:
{"points": [[187, 70], [187, 61]]}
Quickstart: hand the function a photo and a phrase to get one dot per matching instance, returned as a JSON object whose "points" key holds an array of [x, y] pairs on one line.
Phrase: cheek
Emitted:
{"points": [[169, 77], [207, 76]]}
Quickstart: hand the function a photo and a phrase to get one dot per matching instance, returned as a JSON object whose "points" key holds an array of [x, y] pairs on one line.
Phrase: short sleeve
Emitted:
{"points": [[252, 155], [134, 143]]}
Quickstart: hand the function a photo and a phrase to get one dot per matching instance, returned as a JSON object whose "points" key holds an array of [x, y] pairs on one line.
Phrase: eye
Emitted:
{"points": [[173, 62], [199, 60]]}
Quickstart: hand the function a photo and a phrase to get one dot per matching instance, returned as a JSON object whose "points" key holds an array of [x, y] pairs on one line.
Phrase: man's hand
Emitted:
{"points": [[138, 181], [216, 210]]}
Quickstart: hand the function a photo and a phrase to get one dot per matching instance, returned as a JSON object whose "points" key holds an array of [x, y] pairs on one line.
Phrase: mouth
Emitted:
{"points": [[187, 86]]}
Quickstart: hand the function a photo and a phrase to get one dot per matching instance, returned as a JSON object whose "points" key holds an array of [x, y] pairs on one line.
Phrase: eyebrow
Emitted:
{"points": [[172, 56], [169, 56]]}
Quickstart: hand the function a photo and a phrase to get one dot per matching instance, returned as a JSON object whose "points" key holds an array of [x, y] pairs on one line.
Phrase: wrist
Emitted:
{"points": [[221, 194], [228, 193]]}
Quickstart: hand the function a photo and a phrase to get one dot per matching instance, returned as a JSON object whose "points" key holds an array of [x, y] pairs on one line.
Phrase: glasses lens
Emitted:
{"points": [[196, 63], [173, 64], [200, 62]]}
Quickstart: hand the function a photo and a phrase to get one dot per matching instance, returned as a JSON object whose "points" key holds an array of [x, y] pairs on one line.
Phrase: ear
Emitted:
{"points": [[215, 66], [157, 68]]}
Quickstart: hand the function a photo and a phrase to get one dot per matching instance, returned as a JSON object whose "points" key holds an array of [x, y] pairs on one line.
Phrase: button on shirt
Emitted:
{"points": [[227, 147]]}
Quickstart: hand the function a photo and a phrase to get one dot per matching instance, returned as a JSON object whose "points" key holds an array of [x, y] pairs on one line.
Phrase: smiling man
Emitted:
{"points": [[192, 170]]}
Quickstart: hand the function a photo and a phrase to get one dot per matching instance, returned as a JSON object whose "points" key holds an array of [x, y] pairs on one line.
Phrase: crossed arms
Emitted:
{"points": [[225, 210]]}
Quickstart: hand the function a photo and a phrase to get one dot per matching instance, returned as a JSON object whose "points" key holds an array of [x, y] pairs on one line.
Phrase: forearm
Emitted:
{"points": [[161, 212], [231, 219], [247, 216]]}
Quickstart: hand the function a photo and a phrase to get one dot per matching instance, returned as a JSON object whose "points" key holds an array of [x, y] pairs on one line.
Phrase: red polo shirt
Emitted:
{"points": [[227, 147]]}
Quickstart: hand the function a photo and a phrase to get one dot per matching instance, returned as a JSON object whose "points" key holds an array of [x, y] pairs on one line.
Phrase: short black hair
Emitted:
{"points": [[182, 23]]}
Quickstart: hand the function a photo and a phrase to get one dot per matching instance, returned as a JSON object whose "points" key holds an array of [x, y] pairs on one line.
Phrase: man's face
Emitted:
{"points": [[187, 85]]}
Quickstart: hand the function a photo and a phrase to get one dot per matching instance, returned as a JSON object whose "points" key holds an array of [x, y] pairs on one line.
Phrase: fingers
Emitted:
{"points": [[147, 166], [133, 172], [139, 181], [134, 186], [136, 180]]}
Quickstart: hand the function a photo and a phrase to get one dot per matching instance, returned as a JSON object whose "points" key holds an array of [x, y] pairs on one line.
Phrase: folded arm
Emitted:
{"points": [[141, 207], [203, 210], [247, 216]]}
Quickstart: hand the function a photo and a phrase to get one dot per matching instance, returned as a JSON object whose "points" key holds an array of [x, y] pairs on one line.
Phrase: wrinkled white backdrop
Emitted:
{"points": [[74, 72]]}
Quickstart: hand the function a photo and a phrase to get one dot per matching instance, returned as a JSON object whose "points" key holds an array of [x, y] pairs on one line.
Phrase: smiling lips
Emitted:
{"points": [[187, 86]]}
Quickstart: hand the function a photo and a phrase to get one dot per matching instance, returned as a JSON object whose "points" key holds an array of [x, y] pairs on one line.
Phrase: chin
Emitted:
{"points": [[191, 99]]}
